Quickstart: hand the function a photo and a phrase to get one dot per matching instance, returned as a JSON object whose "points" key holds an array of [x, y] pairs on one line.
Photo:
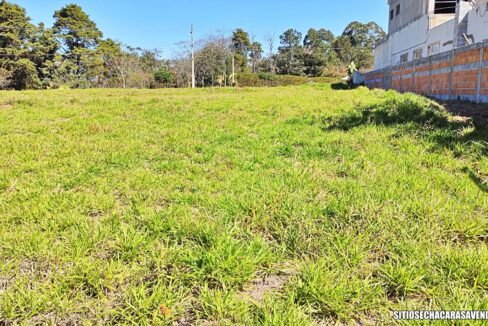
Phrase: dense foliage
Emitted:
{"points": [[74, 53]]}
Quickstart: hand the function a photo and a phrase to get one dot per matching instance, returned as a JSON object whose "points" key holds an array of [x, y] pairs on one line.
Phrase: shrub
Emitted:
{"points": [[5, 78], [408, 108], [264, 79], [267, 76], [163, 76], [24, 75]]}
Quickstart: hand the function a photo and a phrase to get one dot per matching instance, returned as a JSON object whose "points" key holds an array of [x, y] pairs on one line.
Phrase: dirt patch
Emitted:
{"points": [[95, 214], [54, 319], [186, 320], [6, 106], [162, 204], [27, 267], [478, 113], [188, 317], [39, 270], [5, 282], [258, 288]]}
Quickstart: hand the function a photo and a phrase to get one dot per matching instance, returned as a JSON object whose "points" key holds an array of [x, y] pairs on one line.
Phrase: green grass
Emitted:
{"points": [[162, 207]]}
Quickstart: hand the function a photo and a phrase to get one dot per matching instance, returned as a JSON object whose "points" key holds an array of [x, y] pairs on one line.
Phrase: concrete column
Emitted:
{"points": [[412, 88], [401, 79], [429, 90], [480, 74], [451, 73]]}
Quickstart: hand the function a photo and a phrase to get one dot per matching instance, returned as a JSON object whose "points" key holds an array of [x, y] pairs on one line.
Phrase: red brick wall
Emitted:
{"points": [[484, 79], [459, 74]]}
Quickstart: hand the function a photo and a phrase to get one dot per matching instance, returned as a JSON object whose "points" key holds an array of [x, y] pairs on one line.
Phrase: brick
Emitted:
{"points": [[411, 78], [467, 57]]}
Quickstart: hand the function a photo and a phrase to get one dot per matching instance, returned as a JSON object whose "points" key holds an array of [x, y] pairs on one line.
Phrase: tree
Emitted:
{"points": [[241, 44], [112, 72], [290, 58], [80, 37], [76, 29], [256, 54], [357, 43], [365, 35], [44, 54], [290, 39], [127, 66], [318, 52], [270, 60], [211, 63], [15, 35], [15, 30], [318, 38], [180, 64]]}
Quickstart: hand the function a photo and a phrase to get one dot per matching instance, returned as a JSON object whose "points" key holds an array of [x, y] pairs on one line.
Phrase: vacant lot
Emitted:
{"points": [[283, 206]]}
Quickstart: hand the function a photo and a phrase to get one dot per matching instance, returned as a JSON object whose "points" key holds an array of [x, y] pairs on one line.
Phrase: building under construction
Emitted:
{"points": [[434, 47]]}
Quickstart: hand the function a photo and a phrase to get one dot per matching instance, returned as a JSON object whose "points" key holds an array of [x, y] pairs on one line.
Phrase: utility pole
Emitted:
{"points": [[233, 70], [192, 59]]}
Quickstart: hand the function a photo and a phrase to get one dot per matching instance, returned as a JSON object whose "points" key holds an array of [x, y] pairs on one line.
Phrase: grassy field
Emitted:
{"points": [[273, 206]]}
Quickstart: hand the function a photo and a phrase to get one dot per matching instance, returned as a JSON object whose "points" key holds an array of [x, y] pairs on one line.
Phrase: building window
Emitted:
{"points": [[433, 48], [417, 54], [445, 7], [404, 58], [392, 14], [398, 10]]}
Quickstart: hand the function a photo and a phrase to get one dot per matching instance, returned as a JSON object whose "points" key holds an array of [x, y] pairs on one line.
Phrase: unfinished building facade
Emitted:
{"points": [[420, 28]]}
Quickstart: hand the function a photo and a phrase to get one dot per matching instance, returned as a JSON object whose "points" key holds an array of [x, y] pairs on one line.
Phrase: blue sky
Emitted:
{"points": [[162, 23]]}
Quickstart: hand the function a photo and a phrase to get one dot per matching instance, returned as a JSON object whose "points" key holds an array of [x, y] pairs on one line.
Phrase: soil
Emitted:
{"points": [[478, 113]]}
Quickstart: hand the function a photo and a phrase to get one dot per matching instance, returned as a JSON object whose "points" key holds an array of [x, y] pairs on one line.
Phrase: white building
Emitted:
{"points": [[420, 28]]}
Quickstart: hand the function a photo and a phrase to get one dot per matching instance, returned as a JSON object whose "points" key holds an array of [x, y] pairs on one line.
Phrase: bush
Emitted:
{"points": [[5, 78], [267, 76], [264, 79], [401, 109], [24, 75], [163, 76]]}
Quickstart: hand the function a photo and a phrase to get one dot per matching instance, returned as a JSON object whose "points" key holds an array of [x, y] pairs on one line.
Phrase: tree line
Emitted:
{"points": [[74, 53]]}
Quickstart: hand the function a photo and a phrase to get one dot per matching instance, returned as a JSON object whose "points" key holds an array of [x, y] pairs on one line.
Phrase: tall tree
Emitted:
{"points": [[113, 72], [80, 37], [318, 52], [270, 60], [357, 42], [256, 54], [317, 38], [290, 57], [15, 30], [290, 39], [16, 33], [241, 44], [44, 53], [75, 28], [211, 61]]}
